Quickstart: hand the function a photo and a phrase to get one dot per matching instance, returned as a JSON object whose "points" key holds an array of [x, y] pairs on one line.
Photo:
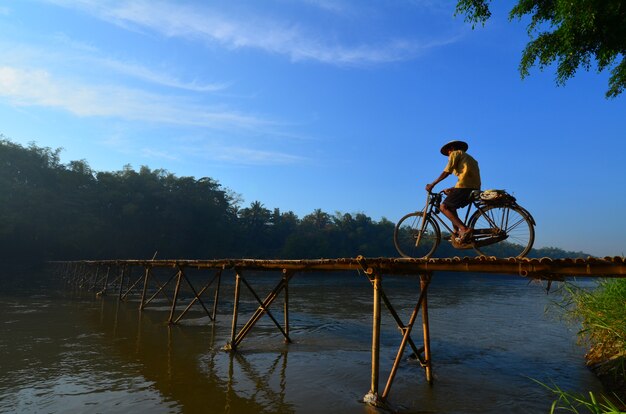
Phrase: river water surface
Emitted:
{"points": [[63, 352]]}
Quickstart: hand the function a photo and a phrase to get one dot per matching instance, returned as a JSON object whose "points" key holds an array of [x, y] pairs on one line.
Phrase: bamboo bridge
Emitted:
{"points": [[121, 277]]}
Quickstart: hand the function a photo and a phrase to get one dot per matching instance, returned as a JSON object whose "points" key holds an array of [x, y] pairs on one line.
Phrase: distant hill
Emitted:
{"points": [[556, 253]]}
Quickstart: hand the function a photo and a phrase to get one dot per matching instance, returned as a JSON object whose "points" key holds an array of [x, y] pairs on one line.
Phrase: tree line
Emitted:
{"points": [[55, 211]]}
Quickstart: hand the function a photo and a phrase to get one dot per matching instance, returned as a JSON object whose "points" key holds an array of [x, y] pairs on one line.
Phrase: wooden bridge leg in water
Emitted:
{"points": [[146, 276], [197, 298], [217, 294], [74, 279], [372, 396], [406, 334], [176, 291], [160, 289], [231, 346], [95, 278], [424, 282], [286, 309], [106, 283], [131, 286], [122, 282], [263, 309]]}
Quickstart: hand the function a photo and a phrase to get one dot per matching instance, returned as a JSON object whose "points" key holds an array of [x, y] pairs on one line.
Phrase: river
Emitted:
{"points": [[491, 340]]}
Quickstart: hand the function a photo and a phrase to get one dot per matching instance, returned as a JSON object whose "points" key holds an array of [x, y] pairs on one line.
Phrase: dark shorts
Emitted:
{"points": [[458, 197]]}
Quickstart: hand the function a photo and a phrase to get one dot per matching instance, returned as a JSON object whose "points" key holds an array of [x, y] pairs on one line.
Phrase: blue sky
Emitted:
{"points": [[302, 104]]}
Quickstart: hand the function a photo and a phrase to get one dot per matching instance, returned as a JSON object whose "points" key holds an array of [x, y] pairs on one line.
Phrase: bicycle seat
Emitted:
{"points": [[475, 195]]}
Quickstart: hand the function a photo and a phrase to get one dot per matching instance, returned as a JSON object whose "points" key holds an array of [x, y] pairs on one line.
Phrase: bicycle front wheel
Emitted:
{"points": [[415, 238], [502, 231]]}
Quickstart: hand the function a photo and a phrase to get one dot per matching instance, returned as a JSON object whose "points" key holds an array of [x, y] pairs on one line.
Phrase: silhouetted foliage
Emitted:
{"points": [[51, 211], [570, 33]]}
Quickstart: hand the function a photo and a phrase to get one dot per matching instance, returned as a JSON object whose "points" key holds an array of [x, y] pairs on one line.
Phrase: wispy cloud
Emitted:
{"points": [[202, 149], [69, 55], [248, 156], [92, 56], [334, 6], [442, 6], [146, 74], [28, 87], [64, 39], [246, 31], [155, 154]]}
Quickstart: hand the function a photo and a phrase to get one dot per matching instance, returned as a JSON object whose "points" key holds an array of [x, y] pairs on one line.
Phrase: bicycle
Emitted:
{"points": [[500, 227]]}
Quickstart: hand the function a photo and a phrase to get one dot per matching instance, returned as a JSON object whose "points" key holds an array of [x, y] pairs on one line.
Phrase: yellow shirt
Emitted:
{"points": [[465, 168]]}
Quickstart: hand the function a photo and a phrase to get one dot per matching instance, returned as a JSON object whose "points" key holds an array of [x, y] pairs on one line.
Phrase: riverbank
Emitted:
{"points": [[612, 375], [602, 314]]}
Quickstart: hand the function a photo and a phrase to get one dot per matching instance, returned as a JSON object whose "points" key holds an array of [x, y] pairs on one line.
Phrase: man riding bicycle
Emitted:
{"points": [[465, 167]]}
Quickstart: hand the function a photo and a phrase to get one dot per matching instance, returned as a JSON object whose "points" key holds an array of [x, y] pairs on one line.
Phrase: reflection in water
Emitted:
{"points": [[185, 365], [489, 336]]}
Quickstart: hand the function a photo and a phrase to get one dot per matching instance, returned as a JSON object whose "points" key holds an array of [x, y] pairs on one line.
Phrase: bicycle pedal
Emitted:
{"points": [[461, 245]]}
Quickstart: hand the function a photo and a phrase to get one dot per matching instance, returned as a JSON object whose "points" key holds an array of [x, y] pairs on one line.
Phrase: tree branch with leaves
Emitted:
{"points": [[572, 33]]}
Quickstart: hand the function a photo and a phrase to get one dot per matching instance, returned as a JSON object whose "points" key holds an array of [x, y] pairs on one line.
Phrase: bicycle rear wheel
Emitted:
{"points": [[413, 241], [502, 231]]}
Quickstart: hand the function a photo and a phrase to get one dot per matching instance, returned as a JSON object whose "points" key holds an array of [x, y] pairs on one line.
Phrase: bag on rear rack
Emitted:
{"points": [[496, 197]]}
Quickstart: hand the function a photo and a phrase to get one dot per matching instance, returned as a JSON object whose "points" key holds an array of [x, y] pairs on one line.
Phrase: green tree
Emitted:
{"points": [[573, 33], [281, 226], [51, 211], [318, 219], [254, 223]]}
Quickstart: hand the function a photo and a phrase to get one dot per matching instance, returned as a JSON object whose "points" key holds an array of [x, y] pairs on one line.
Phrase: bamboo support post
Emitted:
{"points": [[263, 309], [217, 294], [196, 298], [416, 351], [372, 395], [122, 281], [76, 279], [232, 345], [80, 275], [176, 291], [106, 283], [87, 276], [424, 282], [131, 287], [406, 335], [95, 279], [286, 304], [90, 274], [161, 289], [146, 278], [74, 276], [68, 268]]}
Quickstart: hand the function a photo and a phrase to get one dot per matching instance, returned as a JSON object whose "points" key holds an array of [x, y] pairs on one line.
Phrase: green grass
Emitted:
{"points": [[602, 314], [574, 403]]}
